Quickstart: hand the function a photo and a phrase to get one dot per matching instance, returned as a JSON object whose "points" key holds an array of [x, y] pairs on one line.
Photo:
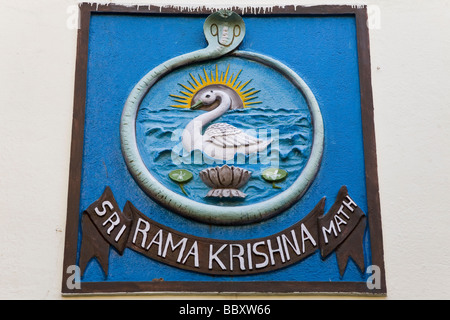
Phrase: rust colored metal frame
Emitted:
{"points": [[266, 287]]}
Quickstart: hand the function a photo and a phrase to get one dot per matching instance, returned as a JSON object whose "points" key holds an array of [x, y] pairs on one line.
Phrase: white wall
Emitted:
{"points": [[410, 50]]}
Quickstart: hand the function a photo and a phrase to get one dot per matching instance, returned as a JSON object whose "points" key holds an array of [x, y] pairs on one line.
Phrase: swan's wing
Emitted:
{"points": [[227, 136]]}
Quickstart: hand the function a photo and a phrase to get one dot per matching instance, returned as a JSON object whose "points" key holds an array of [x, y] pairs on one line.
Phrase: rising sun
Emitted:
{"points": [[243, 97]]}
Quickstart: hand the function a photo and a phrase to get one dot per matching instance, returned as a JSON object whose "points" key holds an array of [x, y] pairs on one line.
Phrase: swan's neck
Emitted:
{"points": [[192, 134], [204, 119]]}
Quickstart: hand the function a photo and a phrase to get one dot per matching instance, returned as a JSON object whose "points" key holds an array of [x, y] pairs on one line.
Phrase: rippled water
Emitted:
{"points": [[158, 132]]}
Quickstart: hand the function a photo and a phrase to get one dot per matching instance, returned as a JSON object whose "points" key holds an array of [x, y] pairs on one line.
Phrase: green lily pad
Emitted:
{"points": [[273, 175], [181, 176]]}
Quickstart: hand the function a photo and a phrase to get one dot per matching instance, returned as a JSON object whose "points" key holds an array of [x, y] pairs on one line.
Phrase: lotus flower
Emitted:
{"points": [[225, 181]]}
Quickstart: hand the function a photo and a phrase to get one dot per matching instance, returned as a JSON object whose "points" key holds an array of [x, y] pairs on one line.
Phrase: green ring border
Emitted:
{"points": [[220, 215]]}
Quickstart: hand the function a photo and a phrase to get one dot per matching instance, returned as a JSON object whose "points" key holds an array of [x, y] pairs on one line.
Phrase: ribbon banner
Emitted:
{"points": [[341, 230]]}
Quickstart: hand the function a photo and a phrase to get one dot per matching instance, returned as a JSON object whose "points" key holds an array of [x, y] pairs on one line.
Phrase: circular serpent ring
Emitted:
{"points": [[218, 46]]}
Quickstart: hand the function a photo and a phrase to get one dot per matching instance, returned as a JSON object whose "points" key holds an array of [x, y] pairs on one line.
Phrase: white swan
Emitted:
{"points": [[221, 140]]}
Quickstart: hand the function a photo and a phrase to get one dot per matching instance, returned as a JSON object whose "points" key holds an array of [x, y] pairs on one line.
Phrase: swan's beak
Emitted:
{"points": [[197, 105]]}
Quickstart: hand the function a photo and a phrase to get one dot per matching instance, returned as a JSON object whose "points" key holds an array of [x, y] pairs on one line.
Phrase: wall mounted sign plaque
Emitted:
{"points": [[223, 151]]}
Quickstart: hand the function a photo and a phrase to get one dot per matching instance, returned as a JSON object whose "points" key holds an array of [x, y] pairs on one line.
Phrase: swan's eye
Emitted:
{"points": [[208, 96]]}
